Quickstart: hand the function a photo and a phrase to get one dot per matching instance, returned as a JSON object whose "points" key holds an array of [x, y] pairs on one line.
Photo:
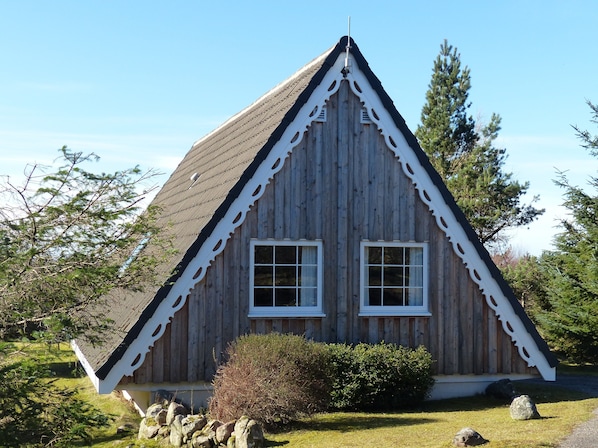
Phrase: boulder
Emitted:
{"points": [[248, 434], [200, 441], [523, 408], [175, 409], [148, 428], [161, 417], [224, 431], [176, 431], [192, 424], [502, 389], [468, 437], [154, 410]]}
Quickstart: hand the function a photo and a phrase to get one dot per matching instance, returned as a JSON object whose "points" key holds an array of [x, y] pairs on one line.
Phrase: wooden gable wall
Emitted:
{"points": [[341, 185]]}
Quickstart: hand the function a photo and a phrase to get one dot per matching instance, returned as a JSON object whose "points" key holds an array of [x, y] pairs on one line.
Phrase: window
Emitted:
{"points": [[286, 278], [394, 278]]}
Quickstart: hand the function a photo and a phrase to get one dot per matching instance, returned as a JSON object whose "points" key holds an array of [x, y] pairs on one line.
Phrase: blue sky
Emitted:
{"points": [[137, 82]]}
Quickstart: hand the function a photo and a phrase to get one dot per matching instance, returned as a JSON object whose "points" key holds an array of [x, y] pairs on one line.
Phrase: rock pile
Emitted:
{"points": [[174, 426]]}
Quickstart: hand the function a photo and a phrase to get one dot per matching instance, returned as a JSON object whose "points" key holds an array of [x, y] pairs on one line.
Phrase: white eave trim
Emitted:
{"points": [[254, 189]]}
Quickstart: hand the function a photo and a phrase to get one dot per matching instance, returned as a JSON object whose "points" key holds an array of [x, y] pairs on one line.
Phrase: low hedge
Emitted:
{"points": [[276, 379], [379, 377]]}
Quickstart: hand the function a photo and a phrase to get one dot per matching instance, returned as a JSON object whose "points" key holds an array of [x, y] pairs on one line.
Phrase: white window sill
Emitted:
{"points": [[282, 315], [394, 313]]}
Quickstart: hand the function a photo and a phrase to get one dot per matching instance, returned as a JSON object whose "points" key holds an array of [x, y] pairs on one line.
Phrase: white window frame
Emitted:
{"points": [[403, 310], [287, 311]]}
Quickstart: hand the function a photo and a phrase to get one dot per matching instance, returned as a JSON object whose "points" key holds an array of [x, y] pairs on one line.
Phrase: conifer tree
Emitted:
{"points": [[570, 321], [464, 154]]}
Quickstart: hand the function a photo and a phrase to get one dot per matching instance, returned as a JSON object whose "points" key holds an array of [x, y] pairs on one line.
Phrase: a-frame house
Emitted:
{"points": [[316, 212]]}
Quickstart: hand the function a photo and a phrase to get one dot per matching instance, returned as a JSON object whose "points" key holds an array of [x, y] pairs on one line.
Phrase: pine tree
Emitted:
{"points": [[464, 154], [570, 320]]}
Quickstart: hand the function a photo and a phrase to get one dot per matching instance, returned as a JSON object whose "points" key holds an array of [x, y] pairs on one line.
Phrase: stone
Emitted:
{"points": [[176, 431], [502, 389], [232, 441], [125, 429], [175, 409], [148, 429], [191, 424], [164, 432], [248, 434], [163, 397], [154, 410], [523, 408], [468, 437], [161, 417], [224, 431], [201, 441]]}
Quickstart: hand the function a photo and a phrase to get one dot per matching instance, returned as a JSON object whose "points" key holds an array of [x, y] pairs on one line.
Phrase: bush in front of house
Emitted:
{"points": [[379, 377], [273, 379]]}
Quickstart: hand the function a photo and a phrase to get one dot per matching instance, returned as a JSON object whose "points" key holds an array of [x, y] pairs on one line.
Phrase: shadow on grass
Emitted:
{"points": [[540, 392], [65, 369], [347, 422]]}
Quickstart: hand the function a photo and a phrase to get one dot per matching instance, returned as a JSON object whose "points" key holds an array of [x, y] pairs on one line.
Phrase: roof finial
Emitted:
{"points": [[348, 47]]}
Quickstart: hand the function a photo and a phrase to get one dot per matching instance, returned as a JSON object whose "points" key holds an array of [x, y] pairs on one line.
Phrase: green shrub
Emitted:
{"points": [[379, 377], [272, 378]]}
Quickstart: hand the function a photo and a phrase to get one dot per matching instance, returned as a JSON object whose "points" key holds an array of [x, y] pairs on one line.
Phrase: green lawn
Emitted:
{"points": [[433, 425]]}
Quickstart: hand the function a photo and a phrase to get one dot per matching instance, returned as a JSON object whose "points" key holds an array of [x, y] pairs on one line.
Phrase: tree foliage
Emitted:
{"points": [[570, 319], [65, 238], [527, 279], [463, 153]]}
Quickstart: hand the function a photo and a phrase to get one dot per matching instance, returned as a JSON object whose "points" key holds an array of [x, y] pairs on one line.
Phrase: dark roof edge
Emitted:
{"points": [[450, 200], [149, 311]]}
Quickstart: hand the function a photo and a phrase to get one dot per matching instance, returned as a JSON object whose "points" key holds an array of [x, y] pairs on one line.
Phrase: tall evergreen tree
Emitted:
{"points": [[464, 154], [570, 321]]}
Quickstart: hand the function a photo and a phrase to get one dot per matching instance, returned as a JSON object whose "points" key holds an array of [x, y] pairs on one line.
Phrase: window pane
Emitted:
{"points": [[308, 276], [393, 276], [285, 276], [415, 297], [285, 255], [374, 276], [308, 297], [264, 254], [374, 255], [262, 296], [263, 276], [373, 297], [393, 297], [286, 297], [415, 256], [414, 276], [308, 255], [393, 255]]}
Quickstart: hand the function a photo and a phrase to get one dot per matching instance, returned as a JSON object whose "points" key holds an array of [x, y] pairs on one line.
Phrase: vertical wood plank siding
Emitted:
{"points": [[341, 185]]}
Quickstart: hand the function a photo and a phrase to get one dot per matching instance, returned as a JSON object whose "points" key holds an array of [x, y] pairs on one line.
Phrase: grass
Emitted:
{"points": [[435, 424], [431, 426]]}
